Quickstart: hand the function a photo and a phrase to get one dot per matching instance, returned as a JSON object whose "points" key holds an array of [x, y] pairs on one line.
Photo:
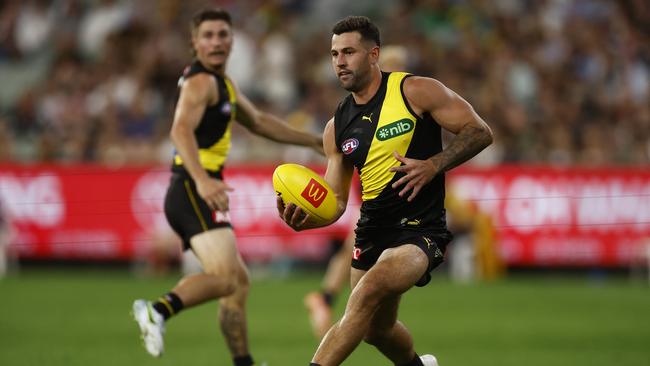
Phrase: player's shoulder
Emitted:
{"points": [[199, 87], [425, 91], [196, 70], [329, 126], [416, 83], [198, 82]]}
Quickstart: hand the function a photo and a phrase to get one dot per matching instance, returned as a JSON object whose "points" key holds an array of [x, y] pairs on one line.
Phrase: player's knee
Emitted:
{"points": [[241, 284], [225, 278], [242, 287], [228, 283], [370, 293], [231, 286], [236, 300]]}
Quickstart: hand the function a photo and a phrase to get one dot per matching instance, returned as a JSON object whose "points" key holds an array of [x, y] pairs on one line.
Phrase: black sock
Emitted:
{"points": [[329, 297], [168, 305], [414, 362], [243, 361], [313, 364]]}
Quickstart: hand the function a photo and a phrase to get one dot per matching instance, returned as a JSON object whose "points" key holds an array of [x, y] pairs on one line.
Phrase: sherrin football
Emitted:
{"points": [[303, 187]]}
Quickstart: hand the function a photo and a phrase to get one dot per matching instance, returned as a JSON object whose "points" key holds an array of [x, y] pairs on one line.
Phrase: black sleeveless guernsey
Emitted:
{"points": [[213, 131], [368, 134]]}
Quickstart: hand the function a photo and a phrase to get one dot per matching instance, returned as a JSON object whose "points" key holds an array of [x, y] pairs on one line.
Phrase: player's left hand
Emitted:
{"points": [[417, 174]]}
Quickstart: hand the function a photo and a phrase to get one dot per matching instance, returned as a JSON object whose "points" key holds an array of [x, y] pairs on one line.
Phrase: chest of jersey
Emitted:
{"points": [[213, 130], [370, 136], [371, 133]]}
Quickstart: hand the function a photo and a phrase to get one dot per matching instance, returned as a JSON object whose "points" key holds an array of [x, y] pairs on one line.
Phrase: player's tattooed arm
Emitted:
{"points": [[469, 141], [454, 114]]}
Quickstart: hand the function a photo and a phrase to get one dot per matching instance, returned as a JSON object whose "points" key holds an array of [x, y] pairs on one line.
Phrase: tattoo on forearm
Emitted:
{"points": [[467, 143], [233, 327]]}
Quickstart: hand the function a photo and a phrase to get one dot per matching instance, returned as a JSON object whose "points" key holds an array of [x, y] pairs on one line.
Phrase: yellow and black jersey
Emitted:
{"points": [[213, 131], [368, 134]]}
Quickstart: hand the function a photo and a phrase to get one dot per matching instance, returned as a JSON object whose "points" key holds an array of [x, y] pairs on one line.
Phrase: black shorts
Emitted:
{"points": [[368, 247], [187, 213]]}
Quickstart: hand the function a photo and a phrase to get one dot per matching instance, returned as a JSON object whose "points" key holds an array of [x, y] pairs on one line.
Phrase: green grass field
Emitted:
{"points": [[82, 318]]}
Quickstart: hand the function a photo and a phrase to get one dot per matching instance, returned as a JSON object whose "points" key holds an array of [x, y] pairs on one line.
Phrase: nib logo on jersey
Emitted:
{"points": [[395, 129], [314, 193]]}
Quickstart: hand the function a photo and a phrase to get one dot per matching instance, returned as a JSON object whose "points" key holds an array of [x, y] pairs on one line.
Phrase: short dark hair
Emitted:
{"points": [[361, 24], [209, 14]]}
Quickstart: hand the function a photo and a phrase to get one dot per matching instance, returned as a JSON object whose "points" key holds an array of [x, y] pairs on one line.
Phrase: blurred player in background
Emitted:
{"points": [[320, 304], [395, 120], [196, 204]]}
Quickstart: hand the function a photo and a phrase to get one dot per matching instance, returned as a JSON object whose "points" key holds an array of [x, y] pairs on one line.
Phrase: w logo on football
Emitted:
{"points": [[314, 193]]}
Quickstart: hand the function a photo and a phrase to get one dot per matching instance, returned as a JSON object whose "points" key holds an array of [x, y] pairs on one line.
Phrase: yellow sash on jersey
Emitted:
{"points": [[394, 133]]}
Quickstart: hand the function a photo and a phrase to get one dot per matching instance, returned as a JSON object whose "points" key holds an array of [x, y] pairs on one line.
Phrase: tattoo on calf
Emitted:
{"points": [[233, 327]]}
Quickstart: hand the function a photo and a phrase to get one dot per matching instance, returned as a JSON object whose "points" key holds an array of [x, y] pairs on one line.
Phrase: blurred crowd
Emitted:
{"points": [[564, 82]]}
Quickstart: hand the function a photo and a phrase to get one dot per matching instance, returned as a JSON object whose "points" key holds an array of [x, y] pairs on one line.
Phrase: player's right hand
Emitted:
{"points": [[214, 192], [293, 215]]}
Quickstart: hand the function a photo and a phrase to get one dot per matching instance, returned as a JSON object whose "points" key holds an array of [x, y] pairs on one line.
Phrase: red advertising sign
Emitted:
{"points": [[572, 217], [543, 216], [89, 212]]}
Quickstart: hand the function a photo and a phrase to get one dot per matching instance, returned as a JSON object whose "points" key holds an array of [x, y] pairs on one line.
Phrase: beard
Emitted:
{"points": [[358, 80], [352, 86]]}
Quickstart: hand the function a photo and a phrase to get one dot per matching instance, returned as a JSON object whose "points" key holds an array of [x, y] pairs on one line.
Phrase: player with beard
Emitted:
{"points": [[389, 128], [320, 304]]}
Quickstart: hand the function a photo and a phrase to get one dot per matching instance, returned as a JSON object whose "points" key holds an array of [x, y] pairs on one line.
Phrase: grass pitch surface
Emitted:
{"points": [[78, 317]]}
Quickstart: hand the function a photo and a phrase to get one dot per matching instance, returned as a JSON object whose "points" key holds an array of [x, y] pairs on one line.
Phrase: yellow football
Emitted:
{"points": [[303, 187]]}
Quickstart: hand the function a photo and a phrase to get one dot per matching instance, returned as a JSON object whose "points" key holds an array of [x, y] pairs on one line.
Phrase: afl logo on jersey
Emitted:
{"points": [[349, 146]]}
